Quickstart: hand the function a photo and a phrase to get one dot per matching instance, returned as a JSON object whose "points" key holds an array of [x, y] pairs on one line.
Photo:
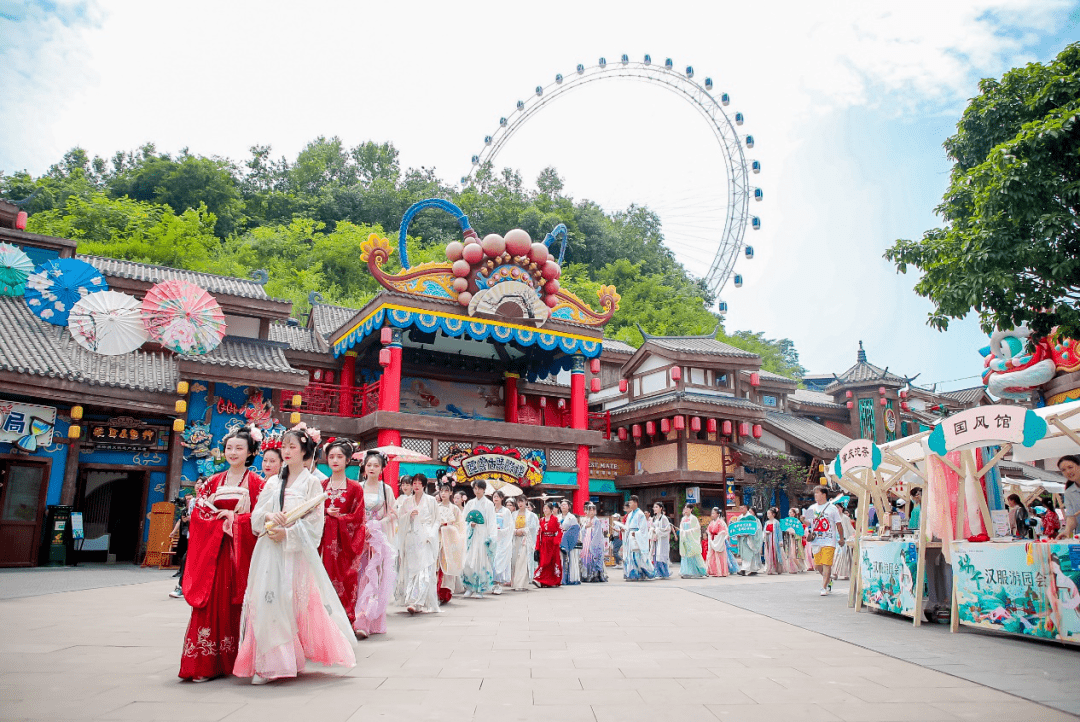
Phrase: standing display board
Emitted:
{"points": [[887, 575]]}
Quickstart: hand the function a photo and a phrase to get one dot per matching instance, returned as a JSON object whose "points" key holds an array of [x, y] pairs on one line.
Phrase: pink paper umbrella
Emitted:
{"points": [[183, 317]]}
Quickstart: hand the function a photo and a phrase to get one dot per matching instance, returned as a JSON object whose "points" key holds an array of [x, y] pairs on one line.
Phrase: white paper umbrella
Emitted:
{"points": [[508, 489], [108, 323]]}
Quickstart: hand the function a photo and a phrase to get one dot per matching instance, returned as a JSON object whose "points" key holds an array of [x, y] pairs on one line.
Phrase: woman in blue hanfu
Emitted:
{"points": [[660, 534], [692, 565], [571, 559], [636, 563], [593, 547], [750, 545], [478, 574]]}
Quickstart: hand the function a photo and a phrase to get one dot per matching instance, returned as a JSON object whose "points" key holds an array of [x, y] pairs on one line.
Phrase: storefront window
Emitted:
{"points": [[22, 493]]}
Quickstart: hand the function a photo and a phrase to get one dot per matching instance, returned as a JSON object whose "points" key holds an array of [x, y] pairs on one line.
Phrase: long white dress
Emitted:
{"points": [[291, 611], [451, 546], [636, 563], [571, 555], [478, 574], [504, 546], [522, 552], [661, 539], [377, 565], [533, 525], [418, 553]]}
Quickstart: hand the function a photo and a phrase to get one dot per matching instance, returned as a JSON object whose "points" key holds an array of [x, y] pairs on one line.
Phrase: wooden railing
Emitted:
{"points": [[333, 400]]}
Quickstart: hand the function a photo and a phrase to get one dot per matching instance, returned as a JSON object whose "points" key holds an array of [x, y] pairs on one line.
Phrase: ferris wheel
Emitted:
{"points": [[737, 216]]}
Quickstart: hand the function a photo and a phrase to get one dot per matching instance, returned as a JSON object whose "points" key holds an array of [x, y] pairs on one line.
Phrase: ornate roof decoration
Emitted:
{"points": [[866, 373], [504, 276]]}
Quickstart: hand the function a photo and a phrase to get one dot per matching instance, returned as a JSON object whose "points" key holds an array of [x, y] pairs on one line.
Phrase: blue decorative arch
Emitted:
{"points": [[416, 208]]}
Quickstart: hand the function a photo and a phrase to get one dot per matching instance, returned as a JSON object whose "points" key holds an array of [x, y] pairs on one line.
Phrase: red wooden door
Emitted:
{"points": [[22, 508]]}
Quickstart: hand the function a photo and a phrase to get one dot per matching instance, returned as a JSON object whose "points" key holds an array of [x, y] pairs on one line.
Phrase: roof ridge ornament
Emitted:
{"points": [[861, 357]]}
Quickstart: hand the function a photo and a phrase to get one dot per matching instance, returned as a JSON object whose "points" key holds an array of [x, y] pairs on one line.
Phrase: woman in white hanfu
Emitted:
{"points": [[661, 541], [451, 544], [524, 543], [636, 563], [377, 561], [291, 611], [478, 576], [571, 556], [504, 542], [417, 548]]}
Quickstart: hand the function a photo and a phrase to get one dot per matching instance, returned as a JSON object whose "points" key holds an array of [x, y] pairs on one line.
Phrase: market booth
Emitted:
{"points": [[999, 583]]}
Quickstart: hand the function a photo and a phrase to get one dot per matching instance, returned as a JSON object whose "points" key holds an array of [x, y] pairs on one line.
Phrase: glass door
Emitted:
{"points": [[22, 509]]}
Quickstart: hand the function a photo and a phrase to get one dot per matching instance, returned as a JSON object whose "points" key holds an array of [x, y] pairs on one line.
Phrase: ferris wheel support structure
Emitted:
{"points": [[700, 97]]}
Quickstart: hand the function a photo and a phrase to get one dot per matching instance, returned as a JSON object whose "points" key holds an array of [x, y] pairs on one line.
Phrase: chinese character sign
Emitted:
{"points": [[1020, 588], [857, 454], [26, 425], [987, 426], [888, 576]]}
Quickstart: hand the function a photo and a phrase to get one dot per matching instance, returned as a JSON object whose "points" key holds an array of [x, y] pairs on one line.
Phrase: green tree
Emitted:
{"points": [[1010, 247]]}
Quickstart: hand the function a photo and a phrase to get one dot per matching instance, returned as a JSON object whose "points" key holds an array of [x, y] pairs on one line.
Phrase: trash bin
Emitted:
{"points": [[57, 535]]}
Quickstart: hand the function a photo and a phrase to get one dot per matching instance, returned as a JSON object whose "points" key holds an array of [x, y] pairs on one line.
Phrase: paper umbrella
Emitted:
{"points": [[183, 317], [56, 286], [108, 323]]}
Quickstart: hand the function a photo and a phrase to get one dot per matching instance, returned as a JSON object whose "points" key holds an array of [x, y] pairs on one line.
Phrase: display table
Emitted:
{"points": [[1018, 587], [887, 571]]}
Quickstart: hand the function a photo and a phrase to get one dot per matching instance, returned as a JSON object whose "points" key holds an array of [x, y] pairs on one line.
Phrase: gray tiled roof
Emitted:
{"points": [[30, 346], [615, 346], [966, 397], [224, 285], [816, 435], [770, 376], [864, 372], [1032, 472], [299, 338], [327, 318], [727, 401], [753, 448], [248, 353], [696, 344], [815, 398]]}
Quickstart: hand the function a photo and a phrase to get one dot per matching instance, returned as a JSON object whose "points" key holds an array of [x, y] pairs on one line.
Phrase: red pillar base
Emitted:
{"points": [[581, 494]]}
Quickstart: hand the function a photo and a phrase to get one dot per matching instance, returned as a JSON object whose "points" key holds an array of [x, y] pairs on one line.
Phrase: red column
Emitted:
{"points": [[346, 380], [579, 419], [390, 400], [510, 398]]}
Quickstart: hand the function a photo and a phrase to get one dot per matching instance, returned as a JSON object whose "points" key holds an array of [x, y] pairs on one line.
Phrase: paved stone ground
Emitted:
{"points": [[657, 651], [33, 582]]}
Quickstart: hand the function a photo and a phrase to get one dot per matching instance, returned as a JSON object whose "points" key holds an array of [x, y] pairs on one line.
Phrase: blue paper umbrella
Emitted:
{"points": [[56, 286]]}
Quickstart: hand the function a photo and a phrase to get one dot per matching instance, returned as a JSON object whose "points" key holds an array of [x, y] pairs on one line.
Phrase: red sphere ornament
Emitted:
{"points": [[493, 245], [538, 253], [461, 284], [461, 268], [473, 253], [551, 301], [464, 298], [453, 250], [881, 390], [550, 270], [518, 242], [882, 401], [552, 286]]}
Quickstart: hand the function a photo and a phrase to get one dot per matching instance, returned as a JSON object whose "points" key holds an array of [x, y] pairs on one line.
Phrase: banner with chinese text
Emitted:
{"points": [[1019, 587], [888, 576]]}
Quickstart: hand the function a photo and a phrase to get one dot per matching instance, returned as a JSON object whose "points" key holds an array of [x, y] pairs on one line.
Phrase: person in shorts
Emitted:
{"points": [[828, 533]]}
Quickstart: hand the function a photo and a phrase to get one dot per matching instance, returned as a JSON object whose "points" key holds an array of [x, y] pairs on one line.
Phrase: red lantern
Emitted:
{"points": [[329, 377], [562, 403], [882, 401], [622, 433], [680, 423], [622, 386], [727, 427], [594, 365], [386, 335], [543, 402], [20, 221], [676, 373], [881, 390], [594, 384], [521, 400], [695, 423], [755, 379], [744, 428], [384, 357], [848, 394], [905, 406], [665, 426], [650, 428], [757, 431], [710, 426], [903, 393], [636, 431], [851, 404]]}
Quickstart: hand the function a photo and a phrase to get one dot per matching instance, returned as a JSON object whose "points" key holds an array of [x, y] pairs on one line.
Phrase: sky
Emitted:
{"points": [[849, 103]]}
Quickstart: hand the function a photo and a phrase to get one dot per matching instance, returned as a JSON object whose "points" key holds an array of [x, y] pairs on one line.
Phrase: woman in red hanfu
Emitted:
{"points": [[549, 570], [343, 531], [219, 554]]}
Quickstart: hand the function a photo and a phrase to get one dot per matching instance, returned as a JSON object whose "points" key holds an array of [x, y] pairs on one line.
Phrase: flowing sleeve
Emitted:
{"points": [[307, 530], [265, 505]]}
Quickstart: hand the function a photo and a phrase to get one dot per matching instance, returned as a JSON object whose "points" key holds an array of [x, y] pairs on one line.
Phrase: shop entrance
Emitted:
{"points": [[111, 502], [23, 485]]}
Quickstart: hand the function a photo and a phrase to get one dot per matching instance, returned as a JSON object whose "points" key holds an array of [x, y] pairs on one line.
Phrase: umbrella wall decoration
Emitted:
{"points": [[108, 323], [56, 286], [183, 317], [15, 268]]}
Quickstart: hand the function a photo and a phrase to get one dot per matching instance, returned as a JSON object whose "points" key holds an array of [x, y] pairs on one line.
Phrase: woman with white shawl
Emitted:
{"points": [[478, 574], [504, 542], [417, 549], [291, 611], [451, 544], [661, 541], [524, 544]]}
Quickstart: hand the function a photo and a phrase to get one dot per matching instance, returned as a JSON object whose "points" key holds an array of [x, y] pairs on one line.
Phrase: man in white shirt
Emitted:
{"points": [[824, 520]]}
